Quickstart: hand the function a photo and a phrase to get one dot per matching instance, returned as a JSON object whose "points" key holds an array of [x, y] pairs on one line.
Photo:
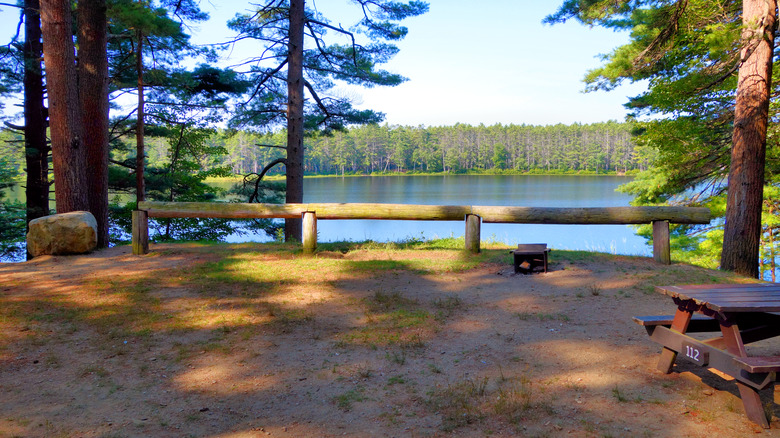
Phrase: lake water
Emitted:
{"points": [[510, 190]]}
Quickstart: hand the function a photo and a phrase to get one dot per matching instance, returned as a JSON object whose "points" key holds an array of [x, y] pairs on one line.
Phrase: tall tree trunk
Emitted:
{"points": [[36, 151], [93, 89], [742, 231], [65, 122], [140, 187], [292, 227], [772, 263]]}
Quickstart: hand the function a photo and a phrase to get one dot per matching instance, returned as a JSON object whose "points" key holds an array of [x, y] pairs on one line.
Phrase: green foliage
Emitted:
{"points": [[331, 53], [12, 214], [374, 149], [181, 105], [500, 156], [11, 154], [11, 70], [689, 52]]}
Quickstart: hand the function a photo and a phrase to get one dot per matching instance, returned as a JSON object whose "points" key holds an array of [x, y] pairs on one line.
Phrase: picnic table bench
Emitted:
{"points": [[528, 256], [742, 314]]}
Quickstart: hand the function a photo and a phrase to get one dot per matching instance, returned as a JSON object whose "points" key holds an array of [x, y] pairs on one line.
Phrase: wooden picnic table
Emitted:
{"points": [[742, 314]]}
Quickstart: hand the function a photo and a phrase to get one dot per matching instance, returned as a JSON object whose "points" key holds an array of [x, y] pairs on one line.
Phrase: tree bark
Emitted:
{"points": [[742, 231], [292, 227], [65, 122], [140, 187], [93, 89], [36, 151]]}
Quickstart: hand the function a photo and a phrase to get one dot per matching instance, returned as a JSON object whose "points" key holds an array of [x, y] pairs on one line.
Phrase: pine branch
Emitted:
{"points": [[337, 29], [255, 196], [270, 146], [19, 128], [666, 33], [317, 99], [266, 77], [125, 164]]}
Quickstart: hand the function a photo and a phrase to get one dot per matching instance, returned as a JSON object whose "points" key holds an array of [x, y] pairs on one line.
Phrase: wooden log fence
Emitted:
{"points": [[474, 216]]}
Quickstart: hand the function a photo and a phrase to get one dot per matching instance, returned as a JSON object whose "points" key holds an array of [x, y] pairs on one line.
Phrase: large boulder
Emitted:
{"points": [[64, 233]]}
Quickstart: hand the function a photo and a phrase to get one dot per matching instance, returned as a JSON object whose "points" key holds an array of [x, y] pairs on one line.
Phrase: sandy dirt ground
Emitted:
{"points": [[353, 344]]}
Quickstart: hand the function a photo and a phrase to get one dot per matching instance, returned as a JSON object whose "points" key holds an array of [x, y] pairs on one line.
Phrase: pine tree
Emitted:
{"points": [[65, 117], [288, 69], [742, 230], [691, 52], [35, 116], [20, 64], [93, 98]]}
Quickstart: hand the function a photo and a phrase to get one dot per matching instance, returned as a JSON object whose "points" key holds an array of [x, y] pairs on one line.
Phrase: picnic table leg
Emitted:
{"points": [[679, 324], [751, 400], [777, 393]]}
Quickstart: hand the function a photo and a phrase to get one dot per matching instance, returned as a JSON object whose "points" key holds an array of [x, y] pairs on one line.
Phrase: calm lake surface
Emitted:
{"points": [[511, 190]]}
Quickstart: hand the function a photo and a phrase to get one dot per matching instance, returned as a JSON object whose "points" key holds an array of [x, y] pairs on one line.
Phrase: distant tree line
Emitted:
{"points": [[593, 148]]}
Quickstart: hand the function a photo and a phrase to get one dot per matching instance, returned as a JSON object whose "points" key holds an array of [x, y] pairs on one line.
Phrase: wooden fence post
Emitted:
{"points": [[140, 239], [473, 225], [661, 247], [309, 232]]}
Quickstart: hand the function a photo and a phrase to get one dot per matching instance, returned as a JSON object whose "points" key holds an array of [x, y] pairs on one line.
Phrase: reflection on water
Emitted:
{"points": [[511, 190]]}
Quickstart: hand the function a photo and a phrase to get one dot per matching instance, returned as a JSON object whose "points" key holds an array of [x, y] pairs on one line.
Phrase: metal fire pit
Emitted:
{"points": [[530, 256]]}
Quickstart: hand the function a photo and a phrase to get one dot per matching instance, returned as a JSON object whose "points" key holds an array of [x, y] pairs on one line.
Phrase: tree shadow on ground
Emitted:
{"points": [[237, 340]]}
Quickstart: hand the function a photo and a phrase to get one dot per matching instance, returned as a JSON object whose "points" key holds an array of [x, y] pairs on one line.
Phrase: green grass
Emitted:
{"points": [[472, 401], [539, 316], [346, 400], [618, 394], [390, 319]]}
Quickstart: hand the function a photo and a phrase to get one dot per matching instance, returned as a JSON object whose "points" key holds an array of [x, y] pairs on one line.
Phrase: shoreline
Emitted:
{"points": [[412, 174]]}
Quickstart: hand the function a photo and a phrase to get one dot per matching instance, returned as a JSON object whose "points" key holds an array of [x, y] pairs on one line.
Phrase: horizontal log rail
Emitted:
{"points": [[489, 214], [660, 217]]}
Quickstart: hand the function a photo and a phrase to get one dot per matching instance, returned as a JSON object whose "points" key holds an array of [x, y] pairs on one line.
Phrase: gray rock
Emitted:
{"points": [[65, 233]]}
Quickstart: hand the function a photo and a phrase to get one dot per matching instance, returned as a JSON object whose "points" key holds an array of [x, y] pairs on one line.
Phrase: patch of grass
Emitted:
{"points": [[457, 405], [514, 400], [396, 380], [52, 361], [445, 256], [576, 256], [215, 347], [733, 406], [364, 372], [399, 327], [346, 400], [93, 370], [381, 301], [397, 357], [510, 399], [392, 319], [769, 409], [595, 289], [619, 396], [447, 306], [287, 319], [539, 316]]}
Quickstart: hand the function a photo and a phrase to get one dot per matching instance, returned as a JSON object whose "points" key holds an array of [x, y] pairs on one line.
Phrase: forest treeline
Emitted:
{"points": [[586, 148]]}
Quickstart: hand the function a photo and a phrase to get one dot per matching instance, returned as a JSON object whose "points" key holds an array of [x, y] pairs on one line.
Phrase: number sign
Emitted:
{"points": [[695, 354]]}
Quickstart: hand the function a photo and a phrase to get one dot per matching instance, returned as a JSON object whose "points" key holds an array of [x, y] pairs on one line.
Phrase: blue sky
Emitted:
{"points": [[470, 62]]}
